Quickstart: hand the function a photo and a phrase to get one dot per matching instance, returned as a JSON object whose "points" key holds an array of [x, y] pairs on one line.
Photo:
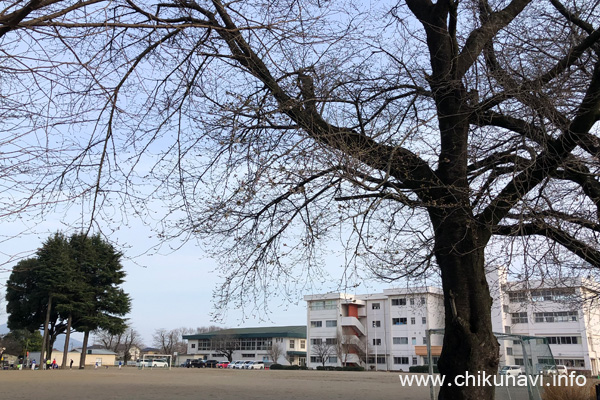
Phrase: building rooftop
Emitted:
{"points": [[297, 331]]}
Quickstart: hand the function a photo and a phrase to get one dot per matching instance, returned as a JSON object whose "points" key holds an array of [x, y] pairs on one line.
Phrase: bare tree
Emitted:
{"points": [[169, 342], [225, 344], [322, 350], [276, 351], [121, 344], [424, 147]]}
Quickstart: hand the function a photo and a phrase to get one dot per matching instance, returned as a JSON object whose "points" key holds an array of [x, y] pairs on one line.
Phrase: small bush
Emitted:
{"points": [[422, 369], [276, 366]]}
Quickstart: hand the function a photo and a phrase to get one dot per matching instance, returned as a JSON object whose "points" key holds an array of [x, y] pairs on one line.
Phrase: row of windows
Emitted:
{"points": [[318, 341], [244, 344], [556, 316], [323, 305], [564, 339], [403, 321], [404, 340], [542, 295], [332, 323], [401, 301]]}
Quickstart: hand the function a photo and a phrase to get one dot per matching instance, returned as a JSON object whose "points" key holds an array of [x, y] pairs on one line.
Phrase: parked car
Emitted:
{"points": [[239, 364], [187, 363], [210, 364], [257, 365], [555, 370], [197, 363], [156, 363], [511, 370], [234, 364], [223, 364], [247, 364]]}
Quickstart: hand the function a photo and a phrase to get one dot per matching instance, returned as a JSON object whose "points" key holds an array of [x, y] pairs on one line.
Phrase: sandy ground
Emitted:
{"points": [[131, 383]]}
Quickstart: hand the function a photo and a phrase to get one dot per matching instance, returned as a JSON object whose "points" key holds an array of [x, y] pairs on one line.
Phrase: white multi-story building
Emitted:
{"points": [[389, 329], [564, 311], [385, 330]]}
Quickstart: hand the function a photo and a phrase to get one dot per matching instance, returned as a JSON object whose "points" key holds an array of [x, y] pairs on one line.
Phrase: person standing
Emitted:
{"points": [[33, 365], [48, 364], [71, 364], [54, 365], [120, 363]]}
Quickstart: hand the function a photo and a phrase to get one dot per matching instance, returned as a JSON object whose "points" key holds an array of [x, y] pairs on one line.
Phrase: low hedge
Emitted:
{"points": [[347, 368], [287, 367], [422, 368]]}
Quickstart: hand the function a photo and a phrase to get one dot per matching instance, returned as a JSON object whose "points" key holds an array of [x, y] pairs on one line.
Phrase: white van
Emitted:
{"points": [[511, 370]]}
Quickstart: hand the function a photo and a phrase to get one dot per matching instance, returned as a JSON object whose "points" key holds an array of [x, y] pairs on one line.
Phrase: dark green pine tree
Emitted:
{"points": [[101, 303], [36, 286]]}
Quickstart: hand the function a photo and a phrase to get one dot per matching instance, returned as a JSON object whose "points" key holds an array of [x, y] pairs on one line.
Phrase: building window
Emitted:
{"points": [[564, 340], [552, 294], [509, 351], [248, 355], [400, 340], [519, 361], [331, 323], [303, 344], [423, 301], [331, 341], [507, 329], [412, 301], [377, 342], [401, 360], [399, 302], [376, 324], [315, 359], [424, 320], [557, 316], [316, 324], [424, 339], [380, 360], [517, 297], [332, 360], [413, 320], [518, 318], [279, 340], [414, 361], [413, 341], [506, 308], [292, 343], [323, 305], [193, 345], [398, 321], [375, 306], [316, 342], [516, 342]]}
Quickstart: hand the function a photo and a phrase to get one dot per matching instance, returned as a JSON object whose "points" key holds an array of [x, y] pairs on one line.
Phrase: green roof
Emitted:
{"points": [[298, 331]]}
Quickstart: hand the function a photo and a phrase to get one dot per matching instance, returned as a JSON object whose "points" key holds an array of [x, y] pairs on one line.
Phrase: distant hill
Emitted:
{"points": [[60, 341]]}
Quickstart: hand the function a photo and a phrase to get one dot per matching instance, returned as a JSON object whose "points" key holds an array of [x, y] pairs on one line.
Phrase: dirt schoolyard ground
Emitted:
{"points": [[131, 383]]}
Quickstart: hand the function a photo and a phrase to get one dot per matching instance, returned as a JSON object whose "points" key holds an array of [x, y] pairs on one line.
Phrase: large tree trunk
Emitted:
{"points": [[67, 338], [86, 337], [469, 343], [46, 336]]}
